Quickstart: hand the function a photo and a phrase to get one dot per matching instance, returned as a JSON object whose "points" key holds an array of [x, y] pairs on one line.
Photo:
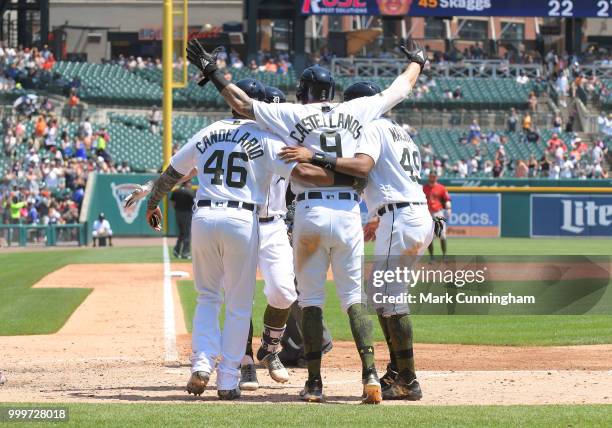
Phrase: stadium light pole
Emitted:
{"points": [[167, 45]]}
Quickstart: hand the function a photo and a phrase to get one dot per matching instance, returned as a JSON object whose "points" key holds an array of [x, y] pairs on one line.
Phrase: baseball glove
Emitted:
{"points": [[439, 225], [415, 53]]}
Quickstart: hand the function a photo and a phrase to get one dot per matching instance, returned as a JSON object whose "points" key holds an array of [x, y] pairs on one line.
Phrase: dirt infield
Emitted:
{"points": [[112, 349]]}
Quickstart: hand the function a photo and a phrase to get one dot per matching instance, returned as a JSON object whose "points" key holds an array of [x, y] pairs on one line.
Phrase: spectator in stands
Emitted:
{"points": [[544, 166], [521, 170], [533, 166], [474, 133], [235, 61], [155, 119], [457, 93], [554, 143], [526, 122], [498, 168], [102, 229], [532, 136], [601, 122], [567, 167], [512, 120], [532, 101], [557, 124], [522, 78]]}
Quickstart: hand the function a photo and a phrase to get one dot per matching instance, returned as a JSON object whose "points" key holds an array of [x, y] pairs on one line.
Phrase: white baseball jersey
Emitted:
{"points": [[275, 201], [323, 127], [235, 161], [397, 169]]}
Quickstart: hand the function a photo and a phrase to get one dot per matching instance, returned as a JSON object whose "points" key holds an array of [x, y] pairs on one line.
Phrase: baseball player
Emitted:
{"points": [[236, 161], [391, 160], [438, 200], [327, 219], [276, 266]]}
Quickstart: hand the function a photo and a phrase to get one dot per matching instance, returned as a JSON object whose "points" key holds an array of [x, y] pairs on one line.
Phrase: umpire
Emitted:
{"points": [[182, 199]]}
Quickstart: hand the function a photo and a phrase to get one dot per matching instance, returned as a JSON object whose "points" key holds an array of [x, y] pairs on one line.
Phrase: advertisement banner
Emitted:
{"points": [[527, 8], [108, 197], [571, 215], [475, 215]]}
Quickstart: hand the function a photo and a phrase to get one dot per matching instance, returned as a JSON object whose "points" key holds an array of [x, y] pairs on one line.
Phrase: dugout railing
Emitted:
{"points": [[22, 235]]}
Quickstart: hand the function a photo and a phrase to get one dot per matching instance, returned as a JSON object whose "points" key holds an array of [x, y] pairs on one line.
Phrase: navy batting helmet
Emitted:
{"points": [[275, 95], [361, 89], [253, 88], [316, 84]]}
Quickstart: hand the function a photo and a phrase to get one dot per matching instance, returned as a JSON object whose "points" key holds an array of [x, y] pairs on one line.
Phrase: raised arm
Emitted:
{"points": [[402, 86], [207, 64]]}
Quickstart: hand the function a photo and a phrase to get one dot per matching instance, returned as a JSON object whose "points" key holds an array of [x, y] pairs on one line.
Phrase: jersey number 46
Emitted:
{"points": [[214, 166]]}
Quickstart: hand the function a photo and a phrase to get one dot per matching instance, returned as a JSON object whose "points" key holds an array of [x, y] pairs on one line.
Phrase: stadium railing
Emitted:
{"points": [[391, 67], [48, 235]]}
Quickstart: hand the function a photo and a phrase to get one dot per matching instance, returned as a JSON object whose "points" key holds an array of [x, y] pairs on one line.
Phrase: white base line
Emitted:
{"points": [[170, 354]]}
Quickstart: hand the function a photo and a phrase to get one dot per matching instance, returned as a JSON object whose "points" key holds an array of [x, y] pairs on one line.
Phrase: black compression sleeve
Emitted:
{"points": [[218, 80]]}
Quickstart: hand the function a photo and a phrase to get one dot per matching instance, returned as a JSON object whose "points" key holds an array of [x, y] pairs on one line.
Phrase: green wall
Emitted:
{"points": [[106, 196]]}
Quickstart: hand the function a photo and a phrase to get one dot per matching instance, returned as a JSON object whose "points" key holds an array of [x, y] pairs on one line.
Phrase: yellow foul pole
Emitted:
{"points": [[167, 42]]}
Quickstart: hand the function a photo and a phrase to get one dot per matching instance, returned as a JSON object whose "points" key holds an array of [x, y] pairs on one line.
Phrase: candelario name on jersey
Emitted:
{"points": [[251, 145], [318, 120]]}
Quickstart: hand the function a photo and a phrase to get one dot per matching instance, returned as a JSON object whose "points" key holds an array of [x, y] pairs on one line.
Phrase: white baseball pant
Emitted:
{"points": [[224, 249], [328, 230], [276, 264], [403, 232]]}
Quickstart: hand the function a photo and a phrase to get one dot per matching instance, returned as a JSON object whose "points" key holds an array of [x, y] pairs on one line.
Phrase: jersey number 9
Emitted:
{"points": [[331, 143], [214, 166]]}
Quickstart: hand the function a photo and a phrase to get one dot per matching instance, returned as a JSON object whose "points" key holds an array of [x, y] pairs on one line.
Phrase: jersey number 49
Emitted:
{"points": [[412, 168]]}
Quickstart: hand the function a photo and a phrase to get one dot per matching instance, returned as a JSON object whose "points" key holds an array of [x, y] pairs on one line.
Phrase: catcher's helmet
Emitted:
{"points": [[316, 84], [361, 89], [275, 95], [253, 88]]}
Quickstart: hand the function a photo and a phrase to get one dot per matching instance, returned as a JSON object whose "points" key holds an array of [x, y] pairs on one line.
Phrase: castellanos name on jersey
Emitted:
{"points": [[235, 161], [323, 127], [397, 169]]}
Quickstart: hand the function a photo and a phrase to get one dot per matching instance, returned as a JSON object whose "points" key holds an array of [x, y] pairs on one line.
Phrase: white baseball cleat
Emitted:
{"points": [[2, 378], [248, 378], [278, 372]]}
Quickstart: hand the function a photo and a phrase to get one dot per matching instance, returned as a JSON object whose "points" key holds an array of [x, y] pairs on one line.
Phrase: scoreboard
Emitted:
{"points": [[523, 8]]}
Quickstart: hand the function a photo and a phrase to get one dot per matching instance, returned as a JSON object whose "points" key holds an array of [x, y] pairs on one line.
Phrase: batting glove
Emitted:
{"points": [[206, 62], [415, 53], [139, 193], [439, 225]]}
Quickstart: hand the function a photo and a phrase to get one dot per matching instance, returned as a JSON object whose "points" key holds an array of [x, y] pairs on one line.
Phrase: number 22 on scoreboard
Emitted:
{"points": [[560, 8]]}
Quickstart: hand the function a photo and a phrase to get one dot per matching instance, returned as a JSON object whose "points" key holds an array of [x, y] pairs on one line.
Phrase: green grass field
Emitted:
{"points": [[262, 415], [43, 311]]}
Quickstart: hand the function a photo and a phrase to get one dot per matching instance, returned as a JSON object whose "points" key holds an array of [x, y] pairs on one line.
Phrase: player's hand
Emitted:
{"points": [[205, 62], [154, 218], [139, 193], [415, 53], [439, 225], [369, 229], [295, 154]]}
